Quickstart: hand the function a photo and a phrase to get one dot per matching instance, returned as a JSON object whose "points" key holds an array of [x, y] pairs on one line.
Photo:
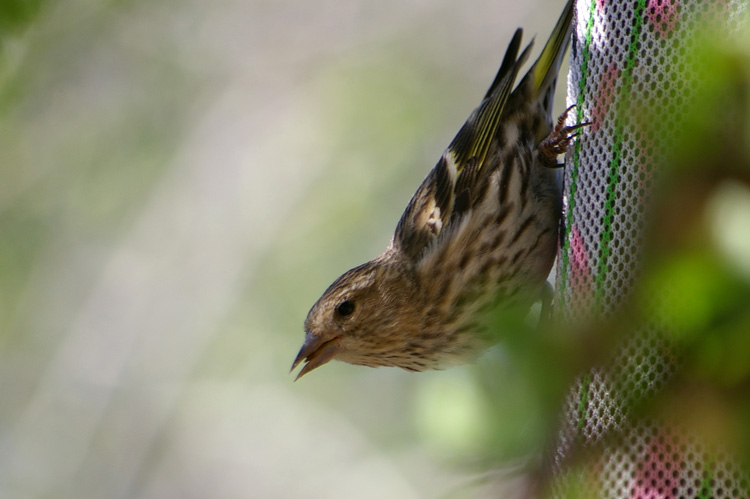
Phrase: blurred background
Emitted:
{"points": [[179, 183]]}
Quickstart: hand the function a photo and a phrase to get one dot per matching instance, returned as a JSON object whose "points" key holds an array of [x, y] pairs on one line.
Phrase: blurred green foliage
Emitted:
{"points": [[17, 14]]}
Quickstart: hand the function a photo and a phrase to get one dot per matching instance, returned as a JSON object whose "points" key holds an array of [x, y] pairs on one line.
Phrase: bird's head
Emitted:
{"points": [[365, 317]]}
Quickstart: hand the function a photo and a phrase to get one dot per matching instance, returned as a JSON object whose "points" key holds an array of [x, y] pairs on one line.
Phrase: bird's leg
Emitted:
{"points": [[546, 313], [558, 141]]}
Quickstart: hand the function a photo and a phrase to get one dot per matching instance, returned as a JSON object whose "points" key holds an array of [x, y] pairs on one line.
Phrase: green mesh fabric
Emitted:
{"points": [[625, 56]]}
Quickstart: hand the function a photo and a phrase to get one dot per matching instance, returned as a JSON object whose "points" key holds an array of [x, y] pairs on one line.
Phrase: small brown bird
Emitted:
{"points": [[479, 234]]}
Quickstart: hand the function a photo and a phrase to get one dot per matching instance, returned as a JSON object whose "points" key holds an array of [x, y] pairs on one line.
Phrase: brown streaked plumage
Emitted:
{"points": [[480, 232]]}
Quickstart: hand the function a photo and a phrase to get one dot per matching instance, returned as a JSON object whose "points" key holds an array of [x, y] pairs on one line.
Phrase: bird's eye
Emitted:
{"points": [[345, 308]]}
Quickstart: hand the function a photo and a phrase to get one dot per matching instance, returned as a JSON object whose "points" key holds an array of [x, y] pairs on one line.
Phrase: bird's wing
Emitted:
{"points": [[449, 189]]}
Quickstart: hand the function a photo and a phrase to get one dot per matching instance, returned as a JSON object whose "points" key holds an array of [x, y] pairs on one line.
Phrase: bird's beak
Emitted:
{"points": [[316, 351]]}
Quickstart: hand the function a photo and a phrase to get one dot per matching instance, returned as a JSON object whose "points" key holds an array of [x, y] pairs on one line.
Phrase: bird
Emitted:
{"points": [[478, 236]]}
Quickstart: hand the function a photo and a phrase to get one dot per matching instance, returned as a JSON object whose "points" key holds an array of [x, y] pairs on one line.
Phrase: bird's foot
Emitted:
{"points": [[547, 295], [558, 141]]}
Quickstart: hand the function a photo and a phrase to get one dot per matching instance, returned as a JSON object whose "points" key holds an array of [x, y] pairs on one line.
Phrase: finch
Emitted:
{"points": [[479, 234]]}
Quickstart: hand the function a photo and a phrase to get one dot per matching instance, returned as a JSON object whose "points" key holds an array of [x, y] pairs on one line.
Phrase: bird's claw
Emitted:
{"points": [[558, 141]]}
